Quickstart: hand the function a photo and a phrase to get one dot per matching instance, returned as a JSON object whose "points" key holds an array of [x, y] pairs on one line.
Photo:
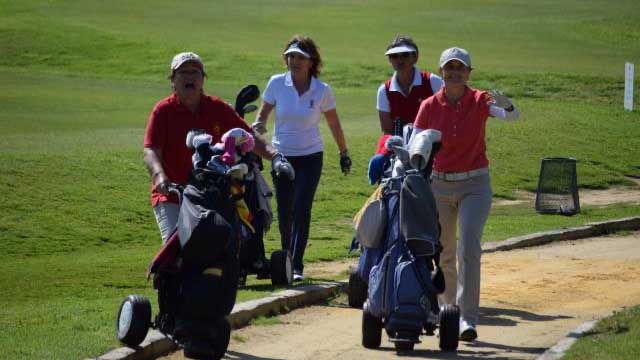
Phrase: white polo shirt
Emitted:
{"points": [[383, 102], [297, 131]]}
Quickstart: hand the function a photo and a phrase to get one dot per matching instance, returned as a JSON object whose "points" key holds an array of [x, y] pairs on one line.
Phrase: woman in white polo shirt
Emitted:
{"points": [[299, 99]]}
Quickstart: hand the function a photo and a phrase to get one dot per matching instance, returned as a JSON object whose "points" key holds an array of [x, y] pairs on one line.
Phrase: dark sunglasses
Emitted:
{"points": [[400, 55]]}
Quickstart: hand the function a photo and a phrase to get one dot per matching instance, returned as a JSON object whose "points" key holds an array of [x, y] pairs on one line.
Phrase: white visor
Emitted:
{"points": [[294, 48], [400, 49]]}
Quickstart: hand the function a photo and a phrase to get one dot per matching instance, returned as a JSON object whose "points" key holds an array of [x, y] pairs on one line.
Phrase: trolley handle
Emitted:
{"points": [[177, 190]]}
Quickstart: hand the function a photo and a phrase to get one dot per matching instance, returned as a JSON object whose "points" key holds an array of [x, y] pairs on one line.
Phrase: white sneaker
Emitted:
{"points": [[467, 331], [298, 277]]}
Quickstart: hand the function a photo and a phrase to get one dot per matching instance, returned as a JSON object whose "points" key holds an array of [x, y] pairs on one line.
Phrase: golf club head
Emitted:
{"points": [[247, 94], [249, 108]]}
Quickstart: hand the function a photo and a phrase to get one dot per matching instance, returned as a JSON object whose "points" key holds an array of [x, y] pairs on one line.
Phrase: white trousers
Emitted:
{"points": [[167, 217]]}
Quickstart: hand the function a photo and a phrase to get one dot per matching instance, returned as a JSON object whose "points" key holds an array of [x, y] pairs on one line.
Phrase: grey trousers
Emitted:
{"points": [[467, 202], [167, 217]]}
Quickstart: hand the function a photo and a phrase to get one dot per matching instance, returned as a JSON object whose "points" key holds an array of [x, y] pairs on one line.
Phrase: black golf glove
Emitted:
{"points": [[345, 162], [280, 166]]}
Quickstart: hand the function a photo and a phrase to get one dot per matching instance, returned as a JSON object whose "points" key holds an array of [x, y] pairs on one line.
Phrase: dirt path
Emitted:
{"points": [[530, 299], [614, 195]]}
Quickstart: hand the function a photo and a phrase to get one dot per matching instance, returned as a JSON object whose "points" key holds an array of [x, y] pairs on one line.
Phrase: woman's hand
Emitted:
{"points": [[500, 100], [345, 162]]}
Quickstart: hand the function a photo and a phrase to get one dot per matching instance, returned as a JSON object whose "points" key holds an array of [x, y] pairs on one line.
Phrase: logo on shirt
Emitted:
{"points": [[311, 104]]}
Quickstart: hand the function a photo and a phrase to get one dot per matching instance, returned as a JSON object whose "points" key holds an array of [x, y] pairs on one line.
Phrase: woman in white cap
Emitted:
{"points": [[299, 99], [166, 155], [400, 96], [460, 178]]}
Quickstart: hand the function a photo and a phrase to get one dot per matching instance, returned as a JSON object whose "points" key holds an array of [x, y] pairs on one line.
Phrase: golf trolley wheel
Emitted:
{"points": [[281, 268], [221, 340], [449, 327], [134, 320], [210, 347], [357, 290], [371, 329]]}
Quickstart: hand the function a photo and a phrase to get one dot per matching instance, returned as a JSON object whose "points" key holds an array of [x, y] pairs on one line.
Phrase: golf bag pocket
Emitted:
{"points": [[368, 258], [411, 288], [204, 233], [381, 284], [203, 295], [371, 228]]}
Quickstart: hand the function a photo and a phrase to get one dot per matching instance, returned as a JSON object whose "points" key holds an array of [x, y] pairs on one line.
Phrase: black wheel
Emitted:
{"points": [[133, 321], [371, 329], [357, 290], [221, 339], [449, 327], [403, 347], [198, 348], [281, 268]]}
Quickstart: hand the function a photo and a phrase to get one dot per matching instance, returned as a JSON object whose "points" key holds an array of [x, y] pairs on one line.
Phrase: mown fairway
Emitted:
{"points": [[79, 78]]}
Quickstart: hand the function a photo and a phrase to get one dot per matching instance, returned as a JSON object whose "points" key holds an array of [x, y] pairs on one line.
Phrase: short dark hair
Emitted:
{"points": [[399, 40], [307, 45]]}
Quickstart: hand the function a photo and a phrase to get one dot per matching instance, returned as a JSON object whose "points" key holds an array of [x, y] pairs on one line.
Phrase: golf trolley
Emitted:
{"points": [[398, 276], [197, 271]]}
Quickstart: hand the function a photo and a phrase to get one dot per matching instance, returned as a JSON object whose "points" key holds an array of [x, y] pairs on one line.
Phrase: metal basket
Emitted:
{"points": [[557, 191]]}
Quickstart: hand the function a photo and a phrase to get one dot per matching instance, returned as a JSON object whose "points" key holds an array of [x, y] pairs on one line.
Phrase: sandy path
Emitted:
{"points": [[530, 299], [614, 195]]}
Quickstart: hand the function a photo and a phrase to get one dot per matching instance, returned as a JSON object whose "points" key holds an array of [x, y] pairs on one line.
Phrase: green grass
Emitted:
{"points": [[79, 78], [615, 337]]}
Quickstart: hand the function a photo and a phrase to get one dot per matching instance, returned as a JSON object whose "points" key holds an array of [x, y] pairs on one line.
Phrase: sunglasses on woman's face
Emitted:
{"points": [[403, 55]]}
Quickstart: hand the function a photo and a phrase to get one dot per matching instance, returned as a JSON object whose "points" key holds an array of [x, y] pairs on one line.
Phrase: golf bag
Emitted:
{"points": [[401, 275]]}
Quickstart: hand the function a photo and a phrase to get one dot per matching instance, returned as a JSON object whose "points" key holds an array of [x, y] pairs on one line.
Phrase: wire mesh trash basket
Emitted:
{"points": [[557, 191]]}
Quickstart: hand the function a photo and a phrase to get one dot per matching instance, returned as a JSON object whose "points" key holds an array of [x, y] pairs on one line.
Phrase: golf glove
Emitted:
{"points": [[280, 166], [345, 162], [259, 127], [500, 100]]}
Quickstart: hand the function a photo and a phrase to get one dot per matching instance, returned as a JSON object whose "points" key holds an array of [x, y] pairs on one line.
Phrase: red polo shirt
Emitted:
{"points": [[406, 108], [167, 130], [462, 127]]}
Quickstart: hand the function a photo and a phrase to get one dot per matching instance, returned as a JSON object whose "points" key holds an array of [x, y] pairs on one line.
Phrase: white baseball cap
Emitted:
{"points": [[455, 53], [400, 49], [183, 57], [296, 48]]}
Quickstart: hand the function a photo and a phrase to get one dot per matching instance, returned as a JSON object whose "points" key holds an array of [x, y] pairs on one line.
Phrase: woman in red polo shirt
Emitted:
{"points": [[166, 155], [460, 180]]}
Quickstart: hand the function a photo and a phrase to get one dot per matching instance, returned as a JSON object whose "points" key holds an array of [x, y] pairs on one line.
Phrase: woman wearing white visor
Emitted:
{"points": [[299, 99], [400, 96]]}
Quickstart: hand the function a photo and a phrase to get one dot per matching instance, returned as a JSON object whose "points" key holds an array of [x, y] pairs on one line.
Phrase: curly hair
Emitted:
{"points": [[307, 45], [399, 40]]}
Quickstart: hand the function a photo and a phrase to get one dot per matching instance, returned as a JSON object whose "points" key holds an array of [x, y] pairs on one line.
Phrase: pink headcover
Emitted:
{"points": [[236, 140]]}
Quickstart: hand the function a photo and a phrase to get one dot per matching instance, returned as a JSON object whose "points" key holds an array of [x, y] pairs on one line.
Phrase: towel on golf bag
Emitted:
{"points": [[204, 226], [419, 216], [421, 147]]}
